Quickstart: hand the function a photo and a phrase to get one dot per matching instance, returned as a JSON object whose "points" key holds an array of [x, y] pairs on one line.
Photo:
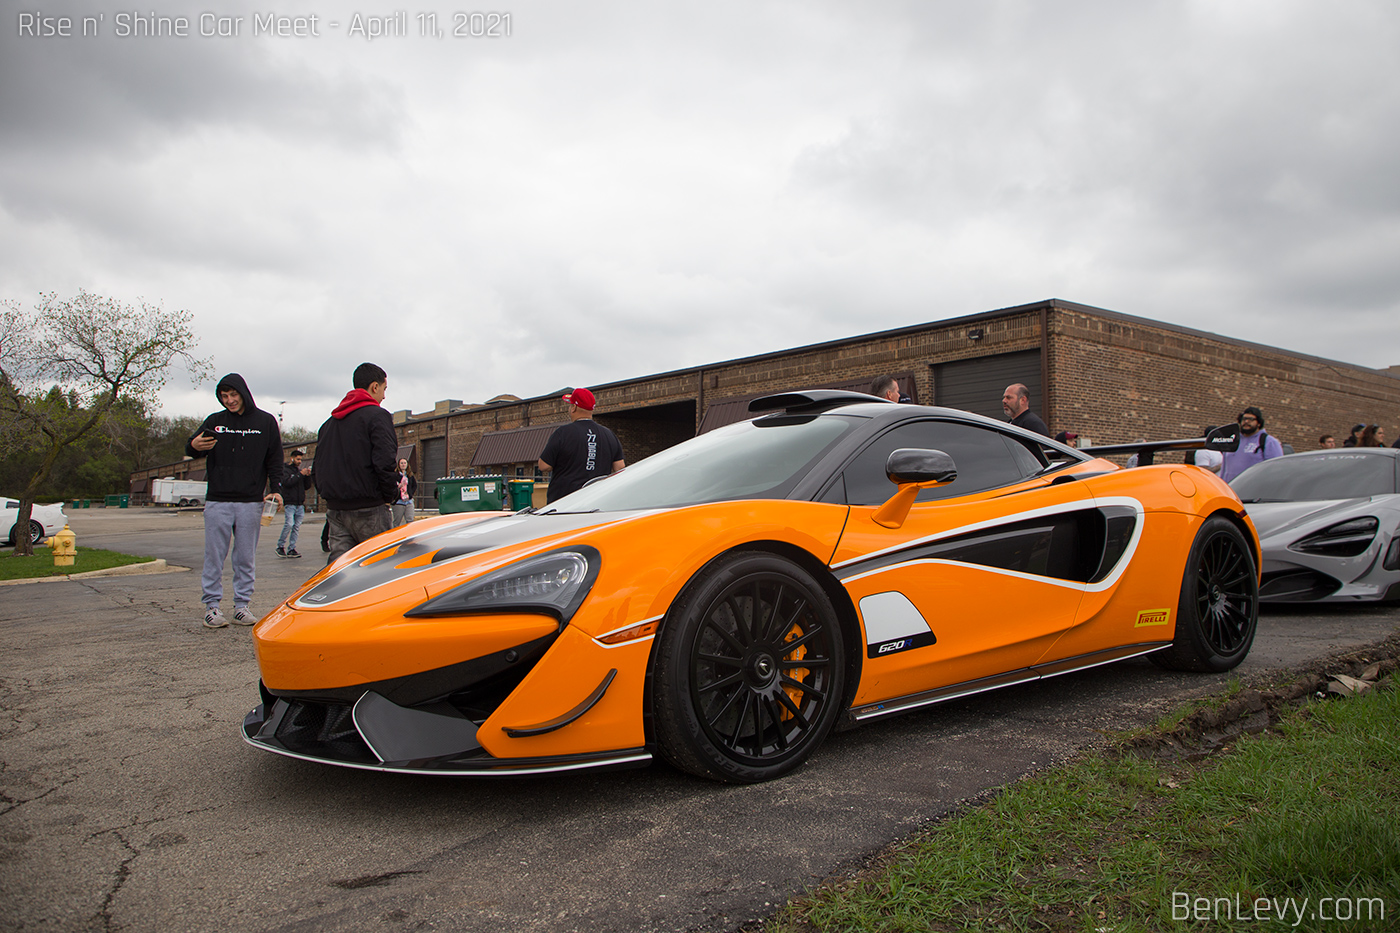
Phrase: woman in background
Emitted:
{"points": [[403, 505], [1373, 436]]}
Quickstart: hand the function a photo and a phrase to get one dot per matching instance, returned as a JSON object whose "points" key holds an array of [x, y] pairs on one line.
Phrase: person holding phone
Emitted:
{"points": [[242, 450]]}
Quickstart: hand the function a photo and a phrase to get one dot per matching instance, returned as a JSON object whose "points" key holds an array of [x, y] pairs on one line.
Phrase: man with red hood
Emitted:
{"points": [[355, 462], [242, 450]]}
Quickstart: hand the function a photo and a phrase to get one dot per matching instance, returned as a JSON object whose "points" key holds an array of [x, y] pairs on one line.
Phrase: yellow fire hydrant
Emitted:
{"points": [[65, 547]]}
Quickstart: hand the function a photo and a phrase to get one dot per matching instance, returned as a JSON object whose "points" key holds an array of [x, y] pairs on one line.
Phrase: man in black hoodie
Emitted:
{"points": [[242, 451], [354, 469]]}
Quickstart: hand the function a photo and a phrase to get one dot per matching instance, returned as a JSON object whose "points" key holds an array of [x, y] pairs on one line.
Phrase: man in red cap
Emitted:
{"points": [[580, 450]]}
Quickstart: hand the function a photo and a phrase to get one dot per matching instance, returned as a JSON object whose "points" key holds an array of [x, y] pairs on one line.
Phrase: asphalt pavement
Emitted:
{"points": [[129, 802]]}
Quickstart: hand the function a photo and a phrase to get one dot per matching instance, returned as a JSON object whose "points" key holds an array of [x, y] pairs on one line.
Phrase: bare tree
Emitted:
{"points": [[65, 365]]}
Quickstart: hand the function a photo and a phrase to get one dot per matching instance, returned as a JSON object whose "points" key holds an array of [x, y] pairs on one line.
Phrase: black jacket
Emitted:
{"points": [[356, 465], [294, 485], [246, 461]]}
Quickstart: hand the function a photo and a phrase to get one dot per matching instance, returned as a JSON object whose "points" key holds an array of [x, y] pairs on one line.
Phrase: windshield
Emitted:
{"points": [[1340, 475], [761, 459]]}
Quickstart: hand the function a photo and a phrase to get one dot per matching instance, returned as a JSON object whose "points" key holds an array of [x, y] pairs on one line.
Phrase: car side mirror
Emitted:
{"points": [[926, 468], [912, 469]]}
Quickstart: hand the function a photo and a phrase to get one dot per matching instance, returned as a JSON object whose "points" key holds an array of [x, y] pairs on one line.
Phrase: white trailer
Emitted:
{"points": [[172, 491]]}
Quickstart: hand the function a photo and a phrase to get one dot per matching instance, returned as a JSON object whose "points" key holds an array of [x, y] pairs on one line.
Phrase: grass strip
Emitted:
{"points": [[40, 563], [1295, 828]]}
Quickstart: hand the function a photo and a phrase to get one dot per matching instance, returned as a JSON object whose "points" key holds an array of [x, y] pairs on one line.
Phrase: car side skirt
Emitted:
{"points": [[914, 701]]}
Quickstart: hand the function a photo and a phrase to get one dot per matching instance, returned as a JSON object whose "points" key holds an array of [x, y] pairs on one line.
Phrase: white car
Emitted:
{"points": [[44, 520]]}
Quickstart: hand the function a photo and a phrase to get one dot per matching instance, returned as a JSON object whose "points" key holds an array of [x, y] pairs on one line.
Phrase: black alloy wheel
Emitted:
{"points": [[1218, 611], [750, 670]]}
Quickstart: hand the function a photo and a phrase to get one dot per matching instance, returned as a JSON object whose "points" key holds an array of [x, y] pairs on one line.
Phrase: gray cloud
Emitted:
{"points": [[105, 94]]}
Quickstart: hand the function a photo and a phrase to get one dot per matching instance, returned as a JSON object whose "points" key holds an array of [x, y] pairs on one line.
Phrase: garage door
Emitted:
{"points": [[976, 385], [434, 466]]}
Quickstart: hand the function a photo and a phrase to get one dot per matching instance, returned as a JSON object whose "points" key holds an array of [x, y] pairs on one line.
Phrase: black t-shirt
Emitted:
{"points": [[578, 452], [1030, 421]]}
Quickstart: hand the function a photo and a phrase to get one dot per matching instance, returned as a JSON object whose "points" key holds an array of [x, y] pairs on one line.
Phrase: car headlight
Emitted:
{"points": [[554, 583], [1345, 539]]}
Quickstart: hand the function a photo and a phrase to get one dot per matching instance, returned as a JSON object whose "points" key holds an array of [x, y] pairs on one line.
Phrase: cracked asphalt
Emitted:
{"points": [[129, 802]]}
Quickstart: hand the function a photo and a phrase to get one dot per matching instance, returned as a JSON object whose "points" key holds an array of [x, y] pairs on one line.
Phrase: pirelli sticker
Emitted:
{"points": [[1150, 617]]}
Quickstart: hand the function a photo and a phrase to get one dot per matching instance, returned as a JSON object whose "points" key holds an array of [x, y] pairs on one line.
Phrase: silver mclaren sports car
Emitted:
{"points": [[1329, 523]]}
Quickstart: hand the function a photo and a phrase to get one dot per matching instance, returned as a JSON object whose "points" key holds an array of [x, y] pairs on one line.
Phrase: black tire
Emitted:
{"points": [[1218, 611], [36, 532], [750, 670]]}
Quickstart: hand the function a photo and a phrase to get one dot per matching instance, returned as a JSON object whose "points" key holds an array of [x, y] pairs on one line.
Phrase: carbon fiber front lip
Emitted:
{"points": [[485, 766]]}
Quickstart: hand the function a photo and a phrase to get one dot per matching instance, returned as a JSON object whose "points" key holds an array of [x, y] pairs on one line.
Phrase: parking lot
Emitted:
{"points": [[130, 802]]}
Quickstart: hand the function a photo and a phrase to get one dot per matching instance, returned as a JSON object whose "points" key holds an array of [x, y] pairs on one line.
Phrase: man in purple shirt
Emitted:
{"points": [[1256, 445]]}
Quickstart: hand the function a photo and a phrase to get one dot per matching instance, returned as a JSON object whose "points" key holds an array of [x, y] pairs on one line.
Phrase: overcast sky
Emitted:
{"points": [[622, 188]]}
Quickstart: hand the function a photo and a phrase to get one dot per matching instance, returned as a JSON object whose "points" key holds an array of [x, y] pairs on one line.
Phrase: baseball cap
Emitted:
{"points": [[582, 398]]}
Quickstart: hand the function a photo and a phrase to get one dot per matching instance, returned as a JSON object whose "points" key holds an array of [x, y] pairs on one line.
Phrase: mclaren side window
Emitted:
{"points": [[985, 459]]}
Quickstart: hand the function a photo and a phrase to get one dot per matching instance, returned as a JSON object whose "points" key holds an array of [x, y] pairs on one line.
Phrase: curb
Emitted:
{"points": [[127, 570]]}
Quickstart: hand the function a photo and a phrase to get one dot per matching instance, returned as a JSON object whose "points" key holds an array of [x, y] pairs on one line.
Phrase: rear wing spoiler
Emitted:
{"points": [[1224, 439]]}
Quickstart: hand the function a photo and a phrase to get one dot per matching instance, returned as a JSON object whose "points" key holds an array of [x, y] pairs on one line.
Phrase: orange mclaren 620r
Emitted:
{"points": [[730, 601]]}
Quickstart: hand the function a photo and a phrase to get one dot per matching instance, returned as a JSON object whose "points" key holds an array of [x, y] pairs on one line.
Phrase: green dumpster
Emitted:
{"points": [[470, 494], [87, 503], [522, 492], [117, 501]]}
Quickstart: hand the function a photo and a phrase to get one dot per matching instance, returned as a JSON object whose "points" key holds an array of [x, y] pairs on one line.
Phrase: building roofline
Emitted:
{"points": [[1047, 304], [1052, 304]]}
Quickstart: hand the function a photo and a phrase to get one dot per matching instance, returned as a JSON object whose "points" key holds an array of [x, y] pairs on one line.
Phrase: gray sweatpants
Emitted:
{"points": [[241, 522]]}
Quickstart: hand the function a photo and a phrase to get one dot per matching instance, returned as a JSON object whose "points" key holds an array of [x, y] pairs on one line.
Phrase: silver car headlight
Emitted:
{"points": [[554, 583], [1344, 539]]}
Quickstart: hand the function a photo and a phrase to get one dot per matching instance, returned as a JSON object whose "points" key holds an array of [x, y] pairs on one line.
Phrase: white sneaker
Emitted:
{"points": [[213, 618], [241, 616]]}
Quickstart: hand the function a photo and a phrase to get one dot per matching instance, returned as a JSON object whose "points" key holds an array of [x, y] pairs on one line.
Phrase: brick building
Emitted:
{"points": [[1106, 376]]}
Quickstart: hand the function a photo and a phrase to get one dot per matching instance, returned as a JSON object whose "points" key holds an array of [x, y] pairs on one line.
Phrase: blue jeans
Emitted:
{"points": [[291, 527], [240, 522]]}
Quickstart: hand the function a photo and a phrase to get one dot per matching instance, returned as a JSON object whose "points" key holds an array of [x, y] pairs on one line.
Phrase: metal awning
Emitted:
{"points": [[718, 414], [518, 445]]}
